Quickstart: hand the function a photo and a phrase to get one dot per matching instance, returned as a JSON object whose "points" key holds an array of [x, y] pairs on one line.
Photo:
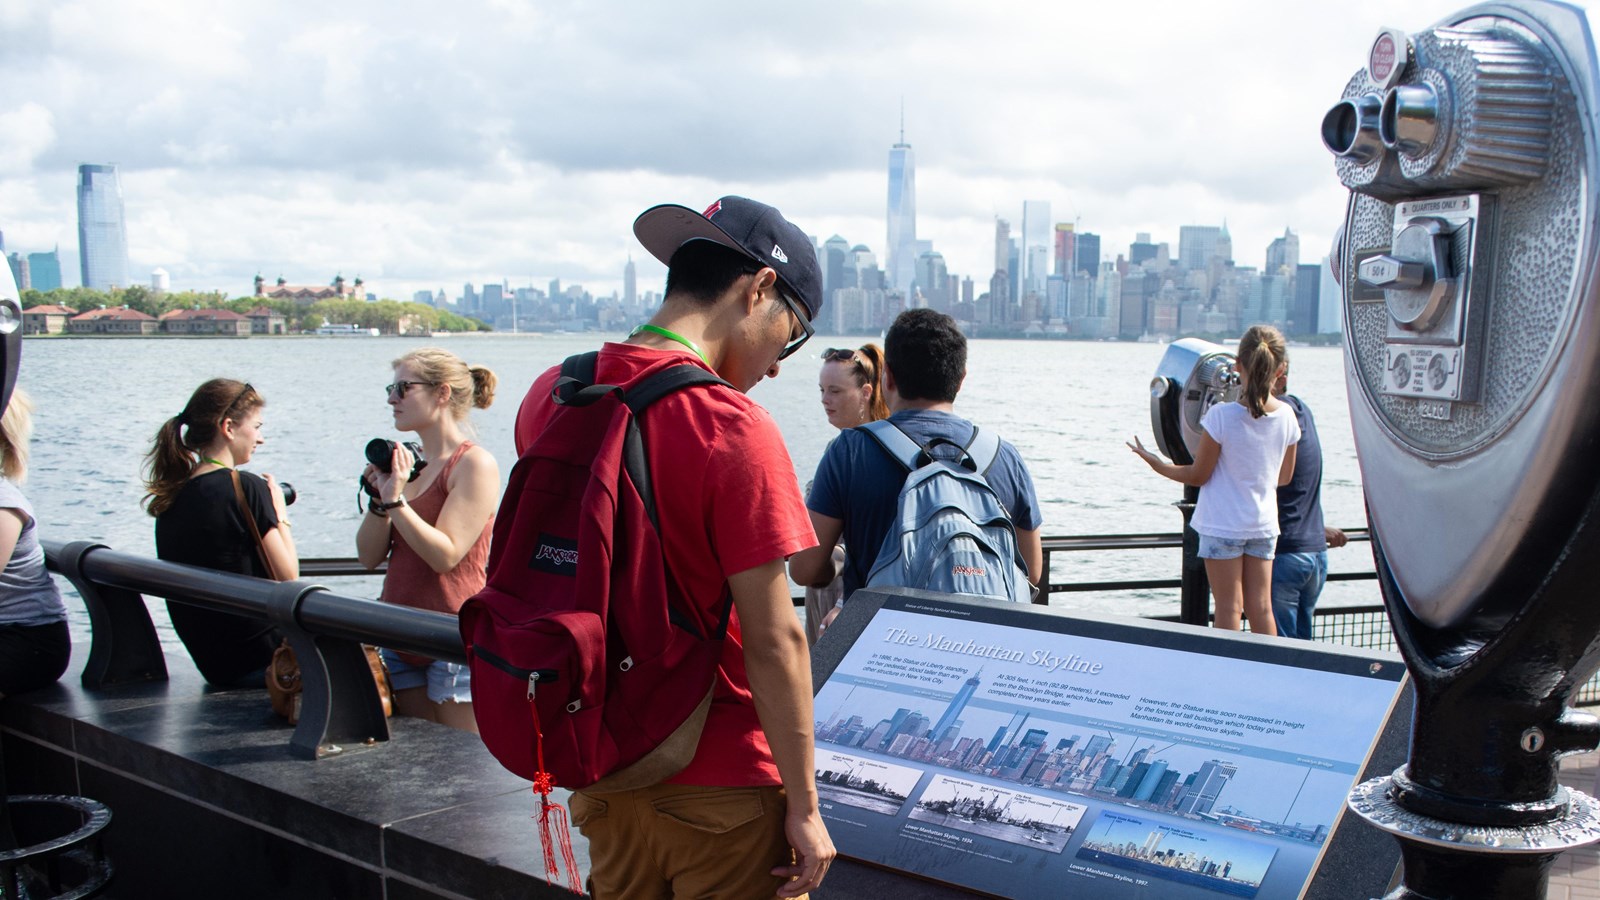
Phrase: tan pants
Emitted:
{"points": [[681, 841]]}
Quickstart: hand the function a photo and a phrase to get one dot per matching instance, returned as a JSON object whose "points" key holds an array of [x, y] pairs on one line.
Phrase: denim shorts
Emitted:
{"points": [[1233, 548], [445, 680]]}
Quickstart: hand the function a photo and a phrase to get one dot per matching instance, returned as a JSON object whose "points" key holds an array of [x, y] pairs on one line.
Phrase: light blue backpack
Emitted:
{"points": [[950, 534]]}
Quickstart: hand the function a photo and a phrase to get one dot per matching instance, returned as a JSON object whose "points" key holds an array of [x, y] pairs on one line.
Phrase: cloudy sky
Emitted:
{"points": [[423, 145]]}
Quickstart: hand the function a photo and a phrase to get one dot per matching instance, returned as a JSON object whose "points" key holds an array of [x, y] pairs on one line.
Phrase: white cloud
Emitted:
{"points": [[422, 147], [29, 130]]}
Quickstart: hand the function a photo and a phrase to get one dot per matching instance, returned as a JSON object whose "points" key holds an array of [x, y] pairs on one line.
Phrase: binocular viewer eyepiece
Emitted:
{"points": [[1404, 120], [1455, 108]]}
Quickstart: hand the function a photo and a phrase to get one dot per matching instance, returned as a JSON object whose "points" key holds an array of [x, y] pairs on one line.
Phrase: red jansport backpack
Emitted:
{"points": [[581, 633]]}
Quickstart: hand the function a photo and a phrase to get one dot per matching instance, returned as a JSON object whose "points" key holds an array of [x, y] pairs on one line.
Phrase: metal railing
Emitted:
{"points": [[340, 705], [1155, 541]]}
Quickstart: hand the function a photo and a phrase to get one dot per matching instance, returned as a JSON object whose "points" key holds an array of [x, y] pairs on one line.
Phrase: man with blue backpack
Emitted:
{"points": [[924, 499]]}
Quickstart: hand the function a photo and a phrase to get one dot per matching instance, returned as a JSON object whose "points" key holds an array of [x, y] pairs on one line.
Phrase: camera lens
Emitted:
{"points": [[288, 493], [379, 452]]}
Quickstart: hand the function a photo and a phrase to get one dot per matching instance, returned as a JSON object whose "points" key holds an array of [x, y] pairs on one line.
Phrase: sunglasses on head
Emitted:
{"points": [[834, 354], [244, 392]]}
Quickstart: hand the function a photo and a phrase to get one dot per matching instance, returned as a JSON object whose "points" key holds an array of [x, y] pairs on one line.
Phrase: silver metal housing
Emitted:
{"points": [[1456, 477], [1193, 376]]}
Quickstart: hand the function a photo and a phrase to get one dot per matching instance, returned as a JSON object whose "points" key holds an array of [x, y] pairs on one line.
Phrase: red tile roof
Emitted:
{"points": [[120, 313]]}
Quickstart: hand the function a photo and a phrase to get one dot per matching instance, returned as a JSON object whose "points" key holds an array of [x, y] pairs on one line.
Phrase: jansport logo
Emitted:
{"points": [[556, 555], [975, 571]]}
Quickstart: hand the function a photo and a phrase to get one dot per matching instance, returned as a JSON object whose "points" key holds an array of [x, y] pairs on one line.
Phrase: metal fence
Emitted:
{"points": [[1356, 626], [1365, 626]]}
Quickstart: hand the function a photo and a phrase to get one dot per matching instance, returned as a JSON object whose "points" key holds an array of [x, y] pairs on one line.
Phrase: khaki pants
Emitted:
{"points": [[681, 841]]}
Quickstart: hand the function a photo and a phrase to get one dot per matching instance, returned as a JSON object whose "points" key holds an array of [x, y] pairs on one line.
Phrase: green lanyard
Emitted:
{"points": [[672, 336], [207, 459]]}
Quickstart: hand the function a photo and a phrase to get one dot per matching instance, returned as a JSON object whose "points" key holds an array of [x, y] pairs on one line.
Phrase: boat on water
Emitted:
{"points": [[333, 330]]}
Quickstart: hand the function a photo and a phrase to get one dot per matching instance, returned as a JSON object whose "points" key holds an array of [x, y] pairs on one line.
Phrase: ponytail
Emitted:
{"points": [[176, 450], [483, 384], [1262, 352], [871, 367]]}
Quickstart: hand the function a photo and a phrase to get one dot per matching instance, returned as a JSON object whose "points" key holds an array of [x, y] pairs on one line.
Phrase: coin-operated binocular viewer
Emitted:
{"points": [[10, 335], [1469, 262], [1193, 376]]}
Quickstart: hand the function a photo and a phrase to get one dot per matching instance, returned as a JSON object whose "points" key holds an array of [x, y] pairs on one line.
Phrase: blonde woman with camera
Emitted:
{"points": [[433, 530]]}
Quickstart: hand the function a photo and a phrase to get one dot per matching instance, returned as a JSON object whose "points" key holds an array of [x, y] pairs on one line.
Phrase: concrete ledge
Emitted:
{"points": [[207, 802]]}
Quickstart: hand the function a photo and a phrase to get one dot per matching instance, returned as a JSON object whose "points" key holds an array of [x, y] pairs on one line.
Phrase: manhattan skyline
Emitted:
{"points": [[378, 142]]}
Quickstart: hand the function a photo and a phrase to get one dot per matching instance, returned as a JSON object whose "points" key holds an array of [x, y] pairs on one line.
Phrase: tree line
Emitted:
{"points": [[384, 315]]}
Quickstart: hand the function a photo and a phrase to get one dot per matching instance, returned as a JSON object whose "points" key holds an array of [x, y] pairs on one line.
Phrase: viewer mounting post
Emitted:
{"points": [[1469, 275]]}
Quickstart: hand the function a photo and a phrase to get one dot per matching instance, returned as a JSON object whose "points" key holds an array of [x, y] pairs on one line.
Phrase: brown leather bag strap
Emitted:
{"points": [[250, 522]]}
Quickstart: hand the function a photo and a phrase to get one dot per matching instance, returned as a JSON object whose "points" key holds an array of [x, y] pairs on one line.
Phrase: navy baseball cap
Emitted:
{"points": [[738, 223]]}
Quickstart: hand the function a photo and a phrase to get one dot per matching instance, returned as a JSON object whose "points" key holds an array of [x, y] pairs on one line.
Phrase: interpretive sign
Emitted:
{"points": [[1021, 752]]}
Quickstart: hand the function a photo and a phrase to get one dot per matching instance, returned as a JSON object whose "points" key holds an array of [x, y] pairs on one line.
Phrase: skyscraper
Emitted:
{"points": [[1208, 785], [102, 234], [1197, 245], [957, 704], [901, 254], [1283, 253], [1036, 234], [1066, 248], [19, 270], [45, 269], [1302, 312], [1089, 253], [630, 287]]}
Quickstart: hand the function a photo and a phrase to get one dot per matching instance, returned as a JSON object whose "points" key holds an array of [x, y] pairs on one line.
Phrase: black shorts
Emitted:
{"points": [[32, 656]]}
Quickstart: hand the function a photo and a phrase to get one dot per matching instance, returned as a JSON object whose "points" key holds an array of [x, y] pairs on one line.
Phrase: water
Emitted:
{"points": [[1068, 407]]}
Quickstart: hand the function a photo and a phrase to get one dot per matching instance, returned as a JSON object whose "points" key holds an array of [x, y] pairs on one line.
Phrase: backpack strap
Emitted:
{"points": [[641, 396], [981, 449], [575, 386], [665, 382], [895, 442], [637, 465]]}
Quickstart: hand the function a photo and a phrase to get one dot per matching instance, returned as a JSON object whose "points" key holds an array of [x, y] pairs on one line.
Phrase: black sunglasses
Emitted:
{"points": [[834, 354], [399, 388], [805, 326], [794, 307]]}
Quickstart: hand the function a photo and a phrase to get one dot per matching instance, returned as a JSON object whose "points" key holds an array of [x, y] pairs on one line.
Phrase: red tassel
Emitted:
{"points": [[558, 833]]}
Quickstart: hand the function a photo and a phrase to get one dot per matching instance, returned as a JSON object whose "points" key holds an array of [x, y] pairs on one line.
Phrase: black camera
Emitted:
{"points": [[380, 453], [288, 493]]}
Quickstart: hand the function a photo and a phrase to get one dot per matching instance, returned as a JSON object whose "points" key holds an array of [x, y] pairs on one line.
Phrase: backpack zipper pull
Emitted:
{"points": [[533, 683]]}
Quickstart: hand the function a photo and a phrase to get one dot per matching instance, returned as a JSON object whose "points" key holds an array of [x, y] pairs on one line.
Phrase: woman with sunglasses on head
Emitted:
{"points": [[851, 396], [200, 500], [434, 531], [34, 643]]}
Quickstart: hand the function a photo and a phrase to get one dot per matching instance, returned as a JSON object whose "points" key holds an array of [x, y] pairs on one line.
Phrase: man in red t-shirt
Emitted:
{"points": [[741, 820]]}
